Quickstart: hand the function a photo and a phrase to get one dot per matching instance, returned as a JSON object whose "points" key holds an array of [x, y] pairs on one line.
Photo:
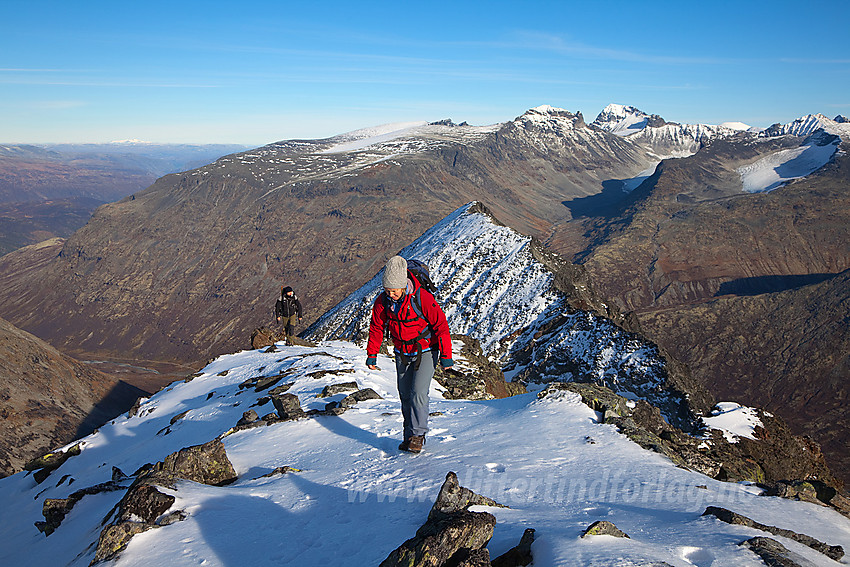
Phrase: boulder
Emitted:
{"points": [[773, 553], [144, 505], [359, 396], [518, 556], [603, 527], [248, 417], [450, 539], [288, 406], [48, 463], [115, 537], [334, 389], [54, 510], [264, 337], [206, 463], [835, 552], [452, 535]]}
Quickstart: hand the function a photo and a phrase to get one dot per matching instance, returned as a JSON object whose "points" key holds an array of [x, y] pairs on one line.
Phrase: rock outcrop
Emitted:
{"points": [[144, 506], [834, 552], [452, 535], [776, 454]]}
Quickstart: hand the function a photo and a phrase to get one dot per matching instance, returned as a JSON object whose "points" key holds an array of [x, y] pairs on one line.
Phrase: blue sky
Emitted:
{"points": [[257, 72]]}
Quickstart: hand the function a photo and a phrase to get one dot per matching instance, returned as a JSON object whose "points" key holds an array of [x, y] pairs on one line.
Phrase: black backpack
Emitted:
{"points": [[419, 270]]}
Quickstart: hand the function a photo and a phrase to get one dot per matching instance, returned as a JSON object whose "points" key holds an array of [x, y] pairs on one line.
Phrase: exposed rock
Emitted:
{"points": [[288, 406], [445, 541], [479, 378], [54, 510], [775, 455], [46, 464], [359, 396], [518, 556], [603, 527], [334, 389], [452, 534], [476, 558], [835, 552], [249, 416], [810, 491], [178, 417], [263, 337], [280, 470], [144, 504], [454, 498], [335, 372], [773, 553], [115, 537], [293, 340], [206, 463], [277, 390]]}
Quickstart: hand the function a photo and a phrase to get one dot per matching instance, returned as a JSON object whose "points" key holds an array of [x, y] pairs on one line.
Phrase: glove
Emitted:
{"points": [[447, 362], [371, 360]]}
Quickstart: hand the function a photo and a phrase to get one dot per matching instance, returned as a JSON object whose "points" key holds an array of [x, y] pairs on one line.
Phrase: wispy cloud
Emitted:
{"points": [[541, 41]]}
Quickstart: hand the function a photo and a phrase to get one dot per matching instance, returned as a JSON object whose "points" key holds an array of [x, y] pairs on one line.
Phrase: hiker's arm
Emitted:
{"points": [[376, 333]]}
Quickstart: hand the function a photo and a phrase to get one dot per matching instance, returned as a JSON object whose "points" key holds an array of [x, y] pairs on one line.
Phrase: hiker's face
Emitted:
{"points": [[394, 294], [289, 293]]}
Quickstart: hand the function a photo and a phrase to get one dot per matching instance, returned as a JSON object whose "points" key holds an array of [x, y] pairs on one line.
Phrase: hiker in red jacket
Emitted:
{"points": [[420, 335]]}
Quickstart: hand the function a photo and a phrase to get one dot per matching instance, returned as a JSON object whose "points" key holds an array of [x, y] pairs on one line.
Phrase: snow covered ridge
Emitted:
{"points": [[808, 125], [305, 488], [493, 289], [487, 281]]}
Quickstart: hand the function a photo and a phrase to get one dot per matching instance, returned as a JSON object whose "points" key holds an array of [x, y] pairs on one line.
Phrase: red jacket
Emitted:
{"points": [[406, 325]]}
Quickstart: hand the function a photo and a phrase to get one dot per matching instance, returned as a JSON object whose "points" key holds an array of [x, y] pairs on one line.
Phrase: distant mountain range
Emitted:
{"points": [[51, 190], [687, 220]]}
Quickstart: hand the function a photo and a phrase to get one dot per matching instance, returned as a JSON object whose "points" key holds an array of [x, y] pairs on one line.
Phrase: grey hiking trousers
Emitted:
{"points": [[413, 388]]}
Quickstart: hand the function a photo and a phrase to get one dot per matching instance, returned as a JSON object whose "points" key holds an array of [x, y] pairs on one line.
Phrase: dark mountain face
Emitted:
{"points": [[188, 267], [742, 288], [49, 399], [787, 351]]}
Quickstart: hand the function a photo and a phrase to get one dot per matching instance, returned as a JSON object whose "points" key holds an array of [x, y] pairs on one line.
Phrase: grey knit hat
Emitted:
{"points": [[395, 273]]}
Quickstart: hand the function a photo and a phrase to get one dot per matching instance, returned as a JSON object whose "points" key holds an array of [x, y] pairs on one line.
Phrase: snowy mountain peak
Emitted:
{"points": [[807, 125], [624, 120]]}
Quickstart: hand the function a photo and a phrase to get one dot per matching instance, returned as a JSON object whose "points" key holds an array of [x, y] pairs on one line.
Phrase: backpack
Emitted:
{"points": [[420, 271]]}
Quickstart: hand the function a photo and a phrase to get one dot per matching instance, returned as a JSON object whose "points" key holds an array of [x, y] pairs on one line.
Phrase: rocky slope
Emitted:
{"points": [[191, 265], [48, 398], [51, 191], [689, 235], [786, 351]]}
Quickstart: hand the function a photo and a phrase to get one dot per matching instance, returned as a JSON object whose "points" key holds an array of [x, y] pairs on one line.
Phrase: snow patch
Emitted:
{"points": [[734, 420]]}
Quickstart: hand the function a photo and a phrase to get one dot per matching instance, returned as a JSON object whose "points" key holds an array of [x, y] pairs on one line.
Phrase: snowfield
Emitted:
{"points": [[356, 497], [779, 168]]}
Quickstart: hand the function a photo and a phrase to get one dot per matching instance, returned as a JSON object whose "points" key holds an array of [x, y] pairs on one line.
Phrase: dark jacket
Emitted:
{"points": [[287, 306]]}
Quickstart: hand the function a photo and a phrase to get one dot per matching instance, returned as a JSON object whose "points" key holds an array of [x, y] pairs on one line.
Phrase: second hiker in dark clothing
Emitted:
{"points": [[288, 310]]}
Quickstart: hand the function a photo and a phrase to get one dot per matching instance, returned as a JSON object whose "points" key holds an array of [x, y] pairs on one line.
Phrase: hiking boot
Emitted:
{"points": [[404, 444], [415, 444]]}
